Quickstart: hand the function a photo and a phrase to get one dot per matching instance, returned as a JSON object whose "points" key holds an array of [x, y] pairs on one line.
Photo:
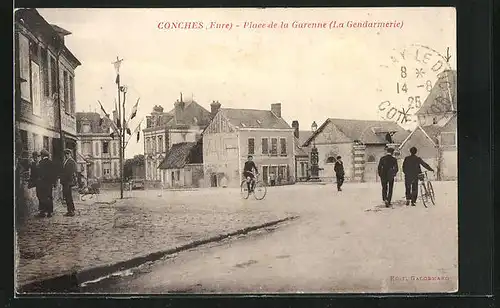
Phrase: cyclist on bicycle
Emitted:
{"points": [[248, 172], [411, 169]]}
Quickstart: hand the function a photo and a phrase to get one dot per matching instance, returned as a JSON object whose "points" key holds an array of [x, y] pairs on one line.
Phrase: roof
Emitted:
{"points": [[193, 114], [251, 118], [366, 131], [32, 20], [93, 118], [303, 136], [446, 87], [181, 154], [299, 151], [433, 131]]}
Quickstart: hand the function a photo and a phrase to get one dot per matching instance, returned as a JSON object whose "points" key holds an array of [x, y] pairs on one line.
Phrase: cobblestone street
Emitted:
{"points": [[102, 234], [342, 242]]}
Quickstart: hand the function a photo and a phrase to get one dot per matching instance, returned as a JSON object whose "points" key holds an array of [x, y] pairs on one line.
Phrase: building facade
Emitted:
{"points": [[436, 136], [184, 123], [100, 151], [44, 86], [183, 165], [360, 143], [233, 134]]}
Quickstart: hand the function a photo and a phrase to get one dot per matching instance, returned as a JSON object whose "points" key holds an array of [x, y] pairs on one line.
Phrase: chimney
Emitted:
{"points": [[295, 125], [214, 108], [276, 109], [179, 108]]}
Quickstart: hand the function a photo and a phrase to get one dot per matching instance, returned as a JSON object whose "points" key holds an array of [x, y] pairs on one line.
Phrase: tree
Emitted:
{"points": [[128, 167]]}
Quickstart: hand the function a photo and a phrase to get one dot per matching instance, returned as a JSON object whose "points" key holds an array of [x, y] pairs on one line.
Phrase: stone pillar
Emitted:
{"points": [[359, 162]]}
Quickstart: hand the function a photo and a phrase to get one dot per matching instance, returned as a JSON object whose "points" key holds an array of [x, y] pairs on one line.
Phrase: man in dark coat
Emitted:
{"points": [[46, 180], [387, 170], [411, 169], [68, 181], [34, 178], [339, 172]]}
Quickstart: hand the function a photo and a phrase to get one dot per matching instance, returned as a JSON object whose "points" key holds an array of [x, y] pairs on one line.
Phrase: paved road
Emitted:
{"points": [[342, 242]]}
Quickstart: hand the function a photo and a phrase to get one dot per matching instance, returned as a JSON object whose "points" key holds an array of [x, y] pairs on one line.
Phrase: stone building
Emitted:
{"points": [[233, 134], [183, 165], [302, 160], [100, 152], [44, 86], [360, 143], [184, 123]]}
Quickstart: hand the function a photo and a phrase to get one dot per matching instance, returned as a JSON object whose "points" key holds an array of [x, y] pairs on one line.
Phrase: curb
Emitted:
{"points": [[70, 282]]}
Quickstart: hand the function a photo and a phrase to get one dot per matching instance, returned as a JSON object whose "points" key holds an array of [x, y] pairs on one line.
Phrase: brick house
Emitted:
{"points": [[436, 135], [233, 134], [184, 123], [99, 151], [360, 143]]}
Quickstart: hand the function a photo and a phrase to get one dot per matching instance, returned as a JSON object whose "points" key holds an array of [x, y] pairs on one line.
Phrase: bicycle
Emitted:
{"points": [[426, 189], [259, 190]]}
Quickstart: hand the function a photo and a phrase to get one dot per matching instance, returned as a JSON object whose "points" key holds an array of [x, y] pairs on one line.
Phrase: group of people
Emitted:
{"points": [[43, 177], [388, 169]]}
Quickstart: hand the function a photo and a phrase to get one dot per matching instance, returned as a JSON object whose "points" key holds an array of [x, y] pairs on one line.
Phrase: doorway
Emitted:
{"points": [[213, 180]]}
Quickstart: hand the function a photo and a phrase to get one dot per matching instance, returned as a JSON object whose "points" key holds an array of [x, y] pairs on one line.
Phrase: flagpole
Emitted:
{"points": [[124, 124], [117, 65]]}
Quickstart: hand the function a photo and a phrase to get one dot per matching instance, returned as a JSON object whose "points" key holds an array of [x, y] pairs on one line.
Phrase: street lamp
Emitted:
{"points": [[314, 156]]}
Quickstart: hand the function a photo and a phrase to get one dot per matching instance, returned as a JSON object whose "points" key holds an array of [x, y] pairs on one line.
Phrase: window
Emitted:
{"points": [[265, 146], [265, 174], [46, 143], [114, 149], [86, 148], [106, 169], [45, 71], [448, 139], [330, 160], [24, 67], [148, 145], [53, 76], [178, 176], [24, 139], [105, 147], [35, 89], [160, 144], [251, 145], [115, 169], [72, 94], [85, 128], [283, 146], [274, 146], [154, 144], [66, 92], [371, 159], [98, 170], [97, 149]]}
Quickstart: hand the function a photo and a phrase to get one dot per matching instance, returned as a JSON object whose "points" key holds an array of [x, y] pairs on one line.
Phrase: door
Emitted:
{"points": [[213, 180], [265, 174]]}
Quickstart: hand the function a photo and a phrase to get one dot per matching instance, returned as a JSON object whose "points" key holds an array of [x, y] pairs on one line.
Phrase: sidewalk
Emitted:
{"points": [[105, 233]]}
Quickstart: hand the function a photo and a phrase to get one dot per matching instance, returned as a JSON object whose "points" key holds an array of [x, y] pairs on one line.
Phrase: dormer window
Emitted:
{"points": [[86, 127]]}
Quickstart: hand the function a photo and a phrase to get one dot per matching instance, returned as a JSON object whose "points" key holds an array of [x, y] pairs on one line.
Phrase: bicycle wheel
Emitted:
{"points": [[260, 190], [430, 190], [423, 194], [244, 190]]}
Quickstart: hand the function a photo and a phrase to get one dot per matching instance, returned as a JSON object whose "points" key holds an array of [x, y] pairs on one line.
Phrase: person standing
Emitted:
{"points": [[45, 181], [339, 172], [34, 178], [387, 170], [411, 169], [68, 181]]}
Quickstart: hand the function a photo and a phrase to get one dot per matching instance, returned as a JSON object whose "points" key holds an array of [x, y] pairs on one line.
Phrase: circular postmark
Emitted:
{"points": [[415, 85]]}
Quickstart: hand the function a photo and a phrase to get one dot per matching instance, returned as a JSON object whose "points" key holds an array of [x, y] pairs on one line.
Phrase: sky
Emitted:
{"points": [[314, 73]]}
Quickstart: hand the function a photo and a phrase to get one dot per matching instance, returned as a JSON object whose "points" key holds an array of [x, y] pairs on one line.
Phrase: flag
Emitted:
{"points": [[128, 131], [134, 110], [117, 79], [138, 135], [107, 117], [112, 135], [101, 120], [102, 108]]}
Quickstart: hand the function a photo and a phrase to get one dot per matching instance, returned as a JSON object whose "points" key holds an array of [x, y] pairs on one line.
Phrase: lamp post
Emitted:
{"points": [[314, 157]]}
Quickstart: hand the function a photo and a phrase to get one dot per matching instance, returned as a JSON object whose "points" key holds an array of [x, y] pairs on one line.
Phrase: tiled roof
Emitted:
{"points": [[446, 87], [366, 131], [193, 115], [251, 118], [94, 119], [299, 151], [181, 154], [303, 136]]}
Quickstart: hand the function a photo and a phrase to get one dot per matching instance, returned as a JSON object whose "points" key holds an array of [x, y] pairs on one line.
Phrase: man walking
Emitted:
{"points": [[339, 172], [387, 170], [45, 181], [411, 169], [34, 178], [68, 181]]}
